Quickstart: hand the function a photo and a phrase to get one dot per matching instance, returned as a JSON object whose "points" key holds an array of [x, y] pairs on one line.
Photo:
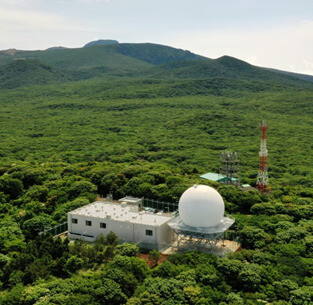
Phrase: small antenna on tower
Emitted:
{"points": [[263, 183]]}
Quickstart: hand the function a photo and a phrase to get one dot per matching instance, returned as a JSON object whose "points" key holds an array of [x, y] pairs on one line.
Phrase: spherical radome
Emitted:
{"points": [[201, 206]]}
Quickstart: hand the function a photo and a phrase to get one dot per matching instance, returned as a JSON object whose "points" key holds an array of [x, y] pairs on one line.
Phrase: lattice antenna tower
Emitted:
{"points": [[229, 167], [263, 183]]}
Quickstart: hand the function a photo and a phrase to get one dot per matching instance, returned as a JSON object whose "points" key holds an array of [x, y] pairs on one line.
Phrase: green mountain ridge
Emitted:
{"points": [[225, 67], [106, 59]]}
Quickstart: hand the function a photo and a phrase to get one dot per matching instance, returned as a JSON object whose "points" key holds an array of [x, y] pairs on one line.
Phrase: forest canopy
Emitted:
{"points": [[64, 145]]}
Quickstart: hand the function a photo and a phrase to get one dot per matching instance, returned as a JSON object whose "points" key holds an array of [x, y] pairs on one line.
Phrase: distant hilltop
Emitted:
{"points": [[56, 48], [101, 42], [10, 52]]}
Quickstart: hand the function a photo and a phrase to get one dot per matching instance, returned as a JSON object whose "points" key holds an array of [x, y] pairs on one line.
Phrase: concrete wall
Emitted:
{"points": [[126, 231]]}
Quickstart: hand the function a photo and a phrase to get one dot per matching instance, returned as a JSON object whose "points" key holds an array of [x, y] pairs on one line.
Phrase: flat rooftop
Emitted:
{"points": [[216, 177], [121, 212]]}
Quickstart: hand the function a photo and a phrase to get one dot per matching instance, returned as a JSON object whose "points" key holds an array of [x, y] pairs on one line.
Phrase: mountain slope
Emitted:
{"points": [[306, 77], [154, 53], [224, 67], [142, 60], [82, 59], [29, 72]]}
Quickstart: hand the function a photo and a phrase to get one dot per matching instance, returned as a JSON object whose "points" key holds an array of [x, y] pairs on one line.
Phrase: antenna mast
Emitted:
{"points": [[229, 167], [263, 183]]}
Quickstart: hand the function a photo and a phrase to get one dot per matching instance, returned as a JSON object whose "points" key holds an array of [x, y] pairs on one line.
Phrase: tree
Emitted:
{"points": [[13, 296], [10, 186], [301, 296], [230, 268], [166, 270], [32, 294], [207, 274], [127, 249], [308, 241], [4, 259], [263, 208], [109, 293], [107, 253], [283, 288], [125, 279], [252, 237], [292, 235], [169, 290], [60, 213], [250, 277], [192, 294], [83, 189], [38, 269], [134, 301], [234, 299], [11, 236], [73, 264], [154, 257], [112, 239], [37, 224], [147, 298]]}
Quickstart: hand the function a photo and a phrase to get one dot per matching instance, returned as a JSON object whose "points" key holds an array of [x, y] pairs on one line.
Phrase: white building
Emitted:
{"points": [[200, 224], [146, 228]]}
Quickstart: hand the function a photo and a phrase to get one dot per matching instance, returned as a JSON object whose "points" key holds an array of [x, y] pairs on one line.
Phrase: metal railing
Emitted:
{"points": [[58, 229], [160, 205]]}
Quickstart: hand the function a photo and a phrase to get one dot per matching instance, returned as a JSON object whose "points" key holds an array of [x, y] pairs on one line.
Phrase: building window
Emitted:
{"points": [[88, 223], [149, 232], [103, 225], [74, 220]]}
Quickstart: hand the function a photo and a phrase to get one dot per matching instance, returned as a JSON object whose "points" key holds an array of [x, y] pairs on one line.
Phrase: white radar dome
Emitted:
{"points": [[201, 206]]}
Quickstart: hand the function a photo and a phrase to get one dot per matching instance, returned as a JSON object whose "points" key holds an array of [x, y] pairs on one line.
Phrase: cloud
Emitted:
{"points": [[21, 19], [30, 29], [94, 1], [286, 47], [15, 2]]}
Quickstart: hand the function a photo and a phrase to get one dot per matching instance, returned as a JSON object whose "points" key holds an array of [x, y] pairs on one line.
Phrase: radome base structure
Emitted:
{"points": [[201, 205]]}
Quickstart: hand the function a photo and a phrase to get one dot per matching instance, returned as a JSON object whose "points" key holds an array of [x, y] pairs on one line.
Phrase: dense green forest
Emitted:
{"points": [[77, 134]]}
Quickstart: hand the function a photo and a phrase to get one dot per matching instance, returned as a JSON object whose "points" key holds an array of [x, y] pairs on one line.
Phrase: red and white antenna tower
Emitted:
{"points": [[263, 183]]}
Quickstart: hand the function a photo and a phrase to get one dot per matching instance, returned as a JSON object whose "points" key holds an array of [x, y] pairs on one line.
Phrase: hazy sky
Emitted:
{"points": [[270, 33]]}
